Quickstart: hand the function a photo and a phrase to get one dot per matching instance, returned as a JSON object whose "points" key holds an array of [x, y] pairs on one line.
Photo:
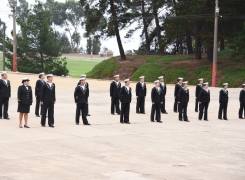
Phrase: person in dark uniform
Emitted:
{"points": [[198, 90], [163, 86], [5, 94], [242, 103], [178, 86], [125, 99], [223, 102], [87, 86], [183, 99], [38, 89], [115, 88], [24, 101], [204, 100], [81, 99], [48, 99], [157, 100], [140, 95]]}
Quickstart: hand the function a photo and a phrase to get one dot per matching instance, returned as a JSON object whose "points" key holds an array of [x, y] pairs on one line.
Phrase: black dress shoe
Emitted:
{"points": [[187, 120], [42, 125], [118, 113], [37, 116], [165, 112], [127, 122], [51, 125], [7, 118], [112, 114], [137, 113], [159, 121], [241, 118], [175, 111], [226, 119], [152, 121], [87, 124], [77, 123], [205, 120], [200, 119], [196, 111], [142, 113], [180, 119], [220, 118], [88, 115], [26, 126], [121, 122]]}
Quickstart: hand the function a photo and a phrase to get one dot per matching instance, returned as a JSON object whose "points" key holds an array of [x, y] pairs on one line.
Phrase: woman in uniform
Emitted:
{"points": [[24, 101]]}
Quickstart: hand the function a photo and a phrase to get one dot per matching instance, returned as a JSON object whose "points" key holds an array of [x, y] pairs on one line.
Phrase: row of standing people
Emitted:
{"points": [[45, 96]]}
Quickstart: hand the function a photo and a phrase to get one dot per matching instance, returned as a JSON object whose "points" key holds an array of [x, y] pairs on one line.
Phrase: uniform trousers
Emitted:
{"points": [[4, 104], [48, 106], [38, 100], [202, 106], [196, 104], [81, 108], [241, 110], [140, 106], [183, 110], [163, 110], [176, 106], [115, 103], [156, 109], [223, 110], [124, 116]]}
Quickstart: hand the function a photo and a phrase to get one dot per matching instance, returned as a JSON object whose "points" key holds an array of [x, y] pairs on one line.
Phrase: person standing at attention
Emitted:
{"points": [[5, 94], [140, 95], [38, 89], [115, 88]]}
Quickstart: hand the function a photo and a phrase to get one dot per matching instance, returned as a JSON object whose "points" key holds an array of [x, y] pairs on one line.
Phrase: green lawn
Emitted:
{"points": [[78, 66]]}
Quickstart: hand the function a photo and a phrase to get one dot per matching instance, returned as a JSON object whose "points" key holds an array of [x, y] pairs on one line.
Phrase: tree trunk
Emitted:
{"points": [[189, 42], [198, 44], [119, 42], [222, 44], [145, 28], [210, 53], [158, 28]]}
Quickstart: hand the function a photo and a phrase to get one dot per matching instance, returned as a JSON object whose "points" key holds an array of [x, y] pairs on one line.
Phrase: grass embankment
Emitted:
{"points": [[172, 67]]}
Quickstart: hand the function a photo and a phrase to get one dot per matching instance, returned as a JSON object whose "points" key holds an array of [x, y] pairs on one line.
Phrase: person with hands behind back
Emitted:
{"points": [[24, 101], [81, 99], [157, 100]]}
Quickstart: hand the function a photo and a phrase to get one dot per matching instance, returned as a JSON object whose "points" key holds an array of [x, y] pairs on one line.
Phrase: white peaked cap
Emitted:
{"points": [[186, 82], [201, 79], [160, 77], [157, 81], [83, 75], [126, 80], [4, 72], [24, 79], [142, 77], [206, 83], [117, 75], [180, 78], [49, 75], [42, 73], [81, 79], [225, 84]]}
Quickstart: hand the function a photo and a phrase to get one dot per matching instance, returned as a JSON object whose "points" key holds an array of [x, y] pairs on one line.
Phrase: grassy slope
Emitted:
{"points": [[174, 66]]}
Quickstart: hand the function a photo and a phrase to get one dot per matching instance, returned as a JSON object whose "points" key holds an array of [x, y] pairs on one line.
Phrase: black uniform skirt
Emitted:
{"points": [[23, 108]]}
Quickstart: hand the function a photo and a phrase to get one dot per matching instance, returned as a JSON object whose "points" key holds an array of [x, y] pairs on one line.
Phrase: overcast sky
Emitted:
{"points": [[128, 44]]}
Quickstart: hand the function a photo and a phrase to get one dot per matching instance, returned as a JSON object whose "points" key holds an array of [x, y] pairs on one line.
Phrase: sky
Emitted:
{"points": [[128, 44]]}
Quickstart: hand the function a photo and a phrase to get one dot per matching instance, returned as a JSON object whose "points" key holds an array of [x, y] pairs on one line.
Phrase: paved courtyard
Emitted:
{"points": [[108, 150]]}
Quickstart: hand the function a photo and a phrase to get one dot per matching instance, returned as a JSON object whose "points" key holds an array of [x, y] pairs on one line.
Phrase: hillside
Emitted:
{"points": [[172, 66]]}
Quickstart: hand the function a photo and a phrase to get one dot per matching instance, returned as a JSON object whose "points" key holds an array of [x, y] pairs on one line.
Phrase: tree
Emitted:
{"points": [[96, 46], [38, 45], [109, 25]]}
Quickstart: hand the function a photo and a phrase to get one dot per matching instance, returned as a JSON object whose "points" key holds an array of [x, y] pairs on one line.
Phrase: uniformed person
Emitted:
{"points": [[125, 100], [48, 99], [223, 102], [242, 102], [24, 101], [183, 99], [178, 86], [157, 100], [115, 88], [198, 90], [38, 88], [5, 94], [87, 86], [163, 86], [81, 99], [140, 95], [204, 100]]}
